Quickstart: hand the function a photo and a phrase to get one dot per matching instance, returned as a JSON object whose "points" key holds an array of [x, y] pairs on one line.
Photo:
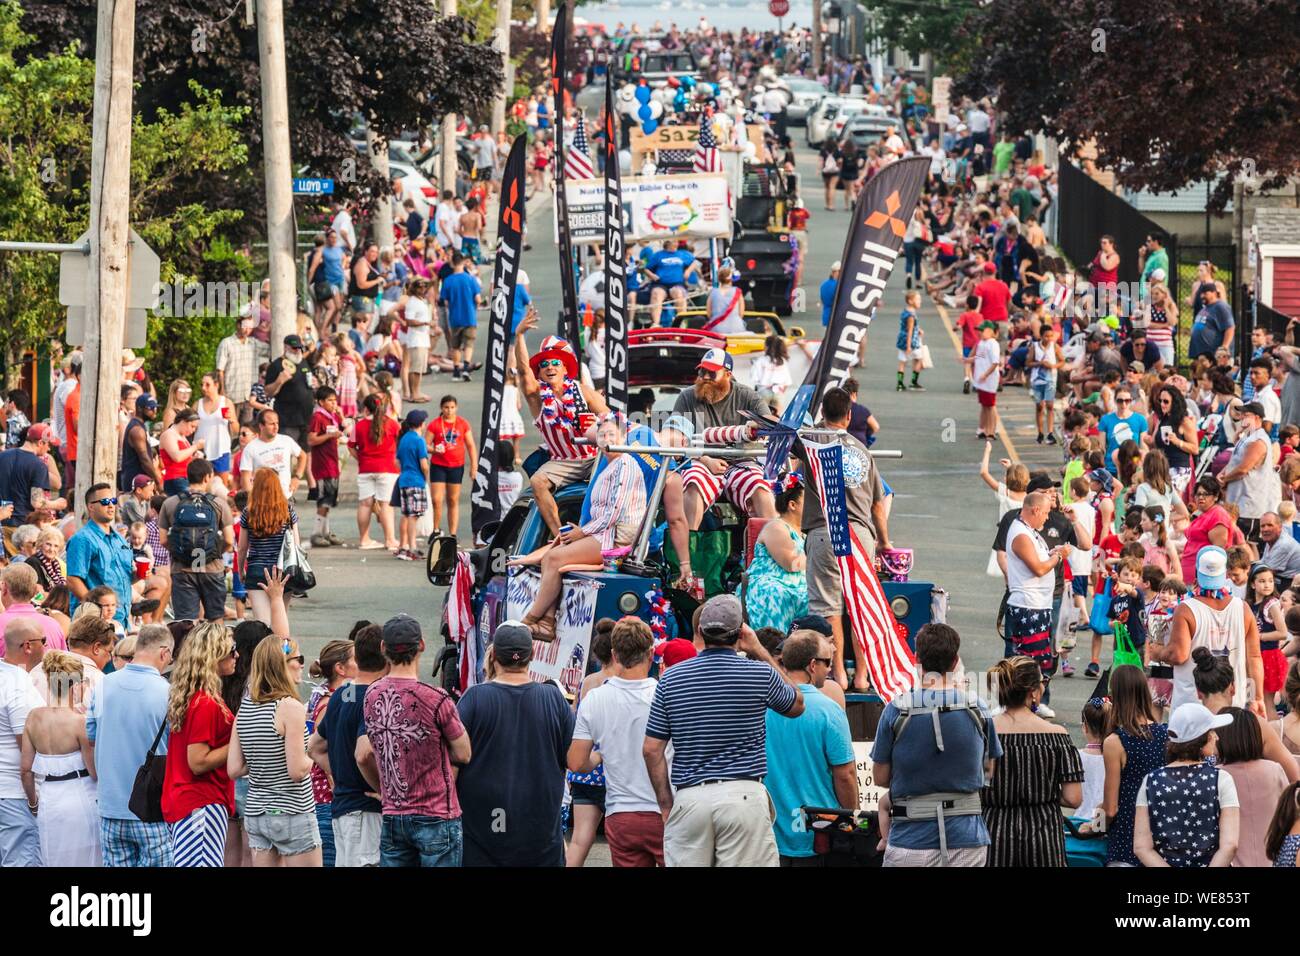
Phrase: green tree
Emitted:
{"points": [[925, 26]]}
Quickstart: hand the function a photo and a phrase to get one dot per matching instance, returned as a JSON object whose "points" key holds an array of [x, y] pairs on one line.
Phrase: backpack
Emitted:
{"points": [[194, 530]]}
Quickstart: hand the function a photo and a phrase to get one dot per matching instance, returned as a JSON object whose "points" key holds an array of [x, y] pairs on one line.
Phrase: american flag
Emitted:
{"points": [[707, 159], [577, 158], [890, 662]]}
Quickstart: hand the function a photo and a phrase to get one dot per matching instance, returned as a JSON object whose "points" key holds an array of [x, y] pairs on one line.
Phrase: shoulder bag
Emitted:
{"points": [[146, 791], [293, 562]]}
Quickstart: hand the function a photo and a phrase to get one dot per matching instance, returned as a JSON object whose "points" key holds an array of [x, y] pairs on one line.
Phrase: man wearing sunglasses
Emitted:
{"points": [[1120, 426], [716, 401], [99, 555], [20, 843]]}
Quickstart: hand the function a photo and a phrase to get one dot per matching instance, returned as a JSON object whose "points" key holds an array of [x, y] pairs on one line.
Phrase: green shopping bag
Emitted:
{"points": [[1125, 652], [709, 553]]}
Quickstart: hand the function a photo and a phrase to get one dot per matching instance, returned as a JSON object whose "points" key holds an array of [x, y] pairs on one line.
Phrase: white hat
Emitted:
{"points": [[1212, 567], [1193, 720], [1157, 275], [522, 277], [836, 265]]}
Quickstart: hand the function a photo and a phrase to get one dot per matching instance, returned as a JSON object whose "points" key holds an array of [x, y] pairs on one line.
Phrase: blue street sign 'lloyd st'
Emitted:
{"points": [[313, 187]]}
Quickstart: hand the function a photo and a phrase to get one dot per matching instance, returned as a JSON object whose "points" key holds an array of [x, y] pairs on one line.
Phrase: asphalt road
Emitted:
{"points": [[941, 509]]}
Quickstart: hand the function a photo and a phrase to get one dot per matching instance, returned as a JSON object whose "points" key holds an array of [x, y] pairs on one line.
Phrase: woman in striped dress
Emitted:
{"points": [[198, 797], [618, 502], [264, 523], [1038, 773], [269, 745]]}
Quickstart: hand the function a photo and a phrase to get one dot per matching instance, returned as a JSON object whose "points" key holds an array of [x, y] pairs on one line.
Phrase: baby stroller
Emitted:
{"points": [[1083, 848]]}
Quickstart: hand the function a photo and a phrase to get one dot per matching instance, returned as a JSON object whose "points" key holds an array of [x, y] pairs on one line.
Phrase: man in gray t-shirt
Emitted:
{"points": [[716, 401], [864, 499]]}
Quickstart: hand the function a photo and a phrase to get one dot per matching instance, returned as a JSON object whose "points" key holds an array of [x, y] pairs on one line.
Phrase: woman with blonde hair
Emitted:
{"points": [[198, 796], [336, 666], [178, 399], [269, 746], [267, 519], [48, 561], [58, 766]]}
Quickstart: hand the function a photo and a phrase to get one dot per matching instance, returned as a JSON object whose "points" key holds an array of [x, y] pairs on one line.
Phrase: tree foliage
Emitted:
{"points": [[1172, 92], [393, 62], [925, 26]]}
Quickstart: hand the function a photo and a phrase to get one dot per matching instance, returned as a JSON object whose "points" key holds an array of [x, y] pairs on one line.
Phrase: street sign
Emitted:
{"points": [[313, 187], [778, 8], [142, 289]]}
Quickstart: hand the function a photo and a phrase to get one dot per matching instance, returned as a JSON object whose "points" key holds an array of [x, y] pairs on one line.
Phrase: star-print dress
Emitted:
{"points": [[1142, 755]]}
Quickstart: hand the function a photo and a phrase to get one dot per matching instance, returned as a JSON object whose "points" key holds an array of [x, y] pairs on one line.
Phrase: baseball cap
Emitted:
{"points": [[293, 342], [717, 360], [522, 277], [1040, 481], [1212, 567], [416, 417], [989, 324], [836, 266], [1192, 720], [675, 651], [146, 401], [1137, 367], [1251, 408], [402, 631], [512, 642], [990, 267], [680, 423], [721, 616], [42, 432], [812, 622], [140, 481]]}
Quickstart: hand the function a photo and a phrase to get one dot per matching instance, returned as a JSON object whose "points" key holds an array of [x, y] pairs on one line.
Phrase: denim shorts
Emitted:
{"points": [[1046, 392], [289, 834]]}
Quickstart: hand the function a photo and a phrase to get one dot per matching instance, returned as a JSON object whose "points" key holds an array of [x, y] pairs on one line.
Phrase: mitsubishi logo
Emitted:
{"points": [[511, 213], [878, 219]]}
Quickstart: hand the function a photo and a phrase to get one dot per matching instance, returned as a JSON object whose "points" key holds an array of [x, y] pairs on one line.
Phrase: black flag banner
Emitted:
{"points": [[873, 243], [505, 277], [569, 328], [616, 319]]}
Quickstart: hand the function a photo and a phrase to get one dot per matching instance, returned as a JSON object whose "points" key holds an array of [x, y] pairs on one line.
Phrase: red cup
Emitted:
{"points": [[142, 567], [586, 422]]}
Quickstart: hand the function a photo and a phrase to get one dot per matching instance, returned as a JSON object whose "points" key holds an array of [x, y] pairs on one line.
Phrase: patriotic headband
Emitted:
{"points": [[787, 484]]}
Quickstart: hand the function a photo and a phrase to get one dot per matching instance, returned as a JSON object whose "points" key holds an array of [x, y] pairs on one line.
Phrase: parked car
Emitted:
{"points": [[821, 120], [806, 93], [867, 129], [861, 111]]}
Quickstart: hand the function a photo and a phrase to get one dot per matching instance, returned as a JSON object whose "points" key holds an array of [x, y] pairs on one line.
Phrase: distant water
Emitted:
{"points": [[686, 14]]}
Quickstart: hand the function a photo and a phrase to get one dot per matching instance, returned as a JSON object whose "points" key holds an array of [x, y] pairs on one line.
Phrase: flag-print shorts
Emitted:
{"points": [[1029, 630], [739, 481]]}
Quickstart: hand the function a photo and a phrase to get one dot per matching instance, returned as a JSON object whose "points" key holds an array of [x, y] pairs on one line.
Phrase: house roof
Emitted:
{"points": [[1277, 224]]}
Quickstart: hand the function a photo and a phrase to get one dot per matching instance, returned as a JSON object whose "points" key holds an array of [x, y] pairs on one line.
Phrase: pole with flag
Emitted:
{"points": [[707, 158], [873, 243], [569, 327], [577, 158], [485, 501], [889, 660], [615, 263]]}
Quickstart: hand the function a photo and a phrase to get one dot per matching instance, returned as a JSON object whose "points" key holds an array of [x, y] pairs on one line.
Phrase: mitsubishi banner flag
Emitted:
{"points": [[569, 327], [873, 243], [505, 276], [616, 317]]}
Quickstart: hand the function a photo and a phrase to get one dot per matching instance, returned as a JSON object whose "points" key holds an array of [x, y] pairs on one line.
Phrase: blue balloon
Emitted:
{"points": [[649, 126], [643, 94], [644, 112], [688, 81], [679, 101]]}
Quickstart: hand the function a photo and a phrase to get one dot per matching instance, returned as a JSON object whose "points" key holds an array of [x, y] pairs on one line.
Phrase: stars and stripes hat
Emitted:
{"points": [[716, 359], [554, 347]]}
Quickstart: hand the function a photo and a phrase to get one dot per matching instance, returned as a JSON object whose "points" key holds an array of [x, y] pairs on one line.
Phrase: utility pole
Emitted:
{"points": [[447, 174], [817, 37], [383, 219], [282, 238], [543, 16], [110, 215], [502, 44]]}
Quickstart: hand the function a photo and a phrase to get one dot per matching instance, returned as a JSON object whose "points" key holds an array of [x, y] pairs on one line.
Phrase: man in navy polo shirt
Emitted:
{"points": [[669, 269], [713, 708]]}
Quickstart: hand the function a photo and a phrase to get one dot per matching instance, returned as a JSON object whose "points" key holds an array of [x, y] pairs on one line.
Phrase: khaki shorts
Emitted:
{"points": [[825, 587], [462, 337], [560, 472], [356, 838], [721, 824], [417, 360]]}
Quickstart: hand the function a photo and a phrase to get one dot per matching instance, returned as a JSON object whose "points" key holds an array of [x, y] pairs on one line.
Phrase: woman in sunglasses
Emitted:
{"points": [[269, 746], [198, 796]]}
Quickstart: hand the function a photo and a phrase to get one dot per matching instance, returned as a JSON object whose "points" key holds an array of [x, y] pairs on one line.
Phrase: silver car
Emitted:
{"points": [[831, 112], [805, 95]]}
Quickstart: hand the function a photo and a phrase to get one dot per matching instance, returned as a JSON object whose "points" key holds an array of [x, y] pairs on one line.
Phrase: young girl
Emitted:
{"points": [[1261, 594], [1282, 845], [909, 341], [1160, 621], [1094, 764], [1134, 746], [512, 423], [351, 368], [1156, 546], [770, 372], [1080, 560]]}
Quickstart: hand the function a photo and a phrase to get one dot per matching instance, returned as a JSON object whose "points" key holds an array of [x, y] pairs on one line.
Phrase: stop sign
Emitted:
{"points": [[778, 8]]}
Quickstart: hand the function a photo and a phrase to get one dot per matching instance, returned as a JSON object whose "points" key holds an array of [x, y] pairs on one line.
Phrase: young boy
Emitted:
{"points": [[1127, 604], [968, 324], [1079, 447], [323, 440], [909, 341], [984, 365], [1239, 562]]}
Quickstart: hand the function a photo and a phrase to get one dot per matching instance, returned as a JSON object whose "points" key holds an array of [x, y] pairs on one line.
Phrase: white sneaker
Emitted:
{"points": [[1045, 712]]}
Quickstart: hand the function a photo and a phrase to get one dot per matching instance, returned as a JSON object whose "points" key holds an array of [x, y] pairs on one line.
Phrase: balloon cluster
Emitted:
{"points": [[647, 106]]}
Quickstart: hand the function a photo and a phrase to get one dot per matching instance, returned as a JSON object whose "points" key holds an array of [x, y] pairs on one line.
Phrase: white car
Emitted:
{"points": [[806, 93], [854, 109], [830, 109], [415, 185]]}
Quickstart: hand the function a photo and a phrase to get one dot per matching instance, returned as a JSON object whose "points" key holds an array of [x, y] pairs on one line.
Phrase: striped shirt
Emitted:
{"points": [[714, 710], [558, 439], [617, 500], [265, 552], [270, 788]]}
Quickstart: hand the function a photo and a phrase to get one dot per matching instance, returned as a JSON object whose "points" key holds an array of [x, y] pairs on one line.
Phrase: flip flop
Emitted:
{"points": [[370, 546]]}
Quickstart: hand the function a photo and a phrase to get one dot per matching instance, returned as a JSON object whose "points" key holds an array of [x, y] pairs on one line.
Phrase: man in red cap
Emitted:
{"points": [[994, 296], [714, 405], [558, 399], [28, 476]]}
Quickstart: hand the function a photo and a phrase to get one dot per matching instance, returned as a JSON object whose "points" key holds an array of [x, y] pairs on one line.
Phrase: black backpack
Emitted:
{"points": [[194, 531]]}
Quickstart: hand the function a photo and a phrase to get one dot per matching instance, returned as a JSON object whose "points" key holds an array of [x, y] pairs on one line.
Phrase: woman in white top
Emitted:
{"points": [[218, 424], [769, 373], [419, 317], [1249, 481], [726, 306], [1010, 492]]}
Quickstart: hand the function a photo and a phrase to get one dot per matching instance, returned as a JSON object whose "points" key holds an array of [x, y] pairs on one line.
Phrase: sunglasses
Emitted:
{"points": [[550, 363], [34, 640], [297, 657], [824, 661], [125, 657], [702, 372], [105, 502], [1123, 401]]}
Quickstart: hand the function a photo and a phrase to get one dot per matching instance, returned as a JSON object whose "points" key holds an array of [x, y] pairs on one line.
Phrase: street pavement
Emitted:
{"points": [[941, 509]]}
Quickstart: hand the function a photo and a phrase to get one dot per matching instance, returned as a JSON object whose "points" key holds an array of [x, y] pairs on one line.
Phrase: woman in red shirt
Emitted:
{"points": [[450, 442], [374, 442], [198, 797]]}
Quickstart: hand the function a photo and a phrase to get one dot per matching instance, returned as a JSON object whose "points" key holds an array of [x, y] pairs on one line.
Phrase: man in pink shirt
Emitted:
{"points": [[18, 585], [994, 296]]}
